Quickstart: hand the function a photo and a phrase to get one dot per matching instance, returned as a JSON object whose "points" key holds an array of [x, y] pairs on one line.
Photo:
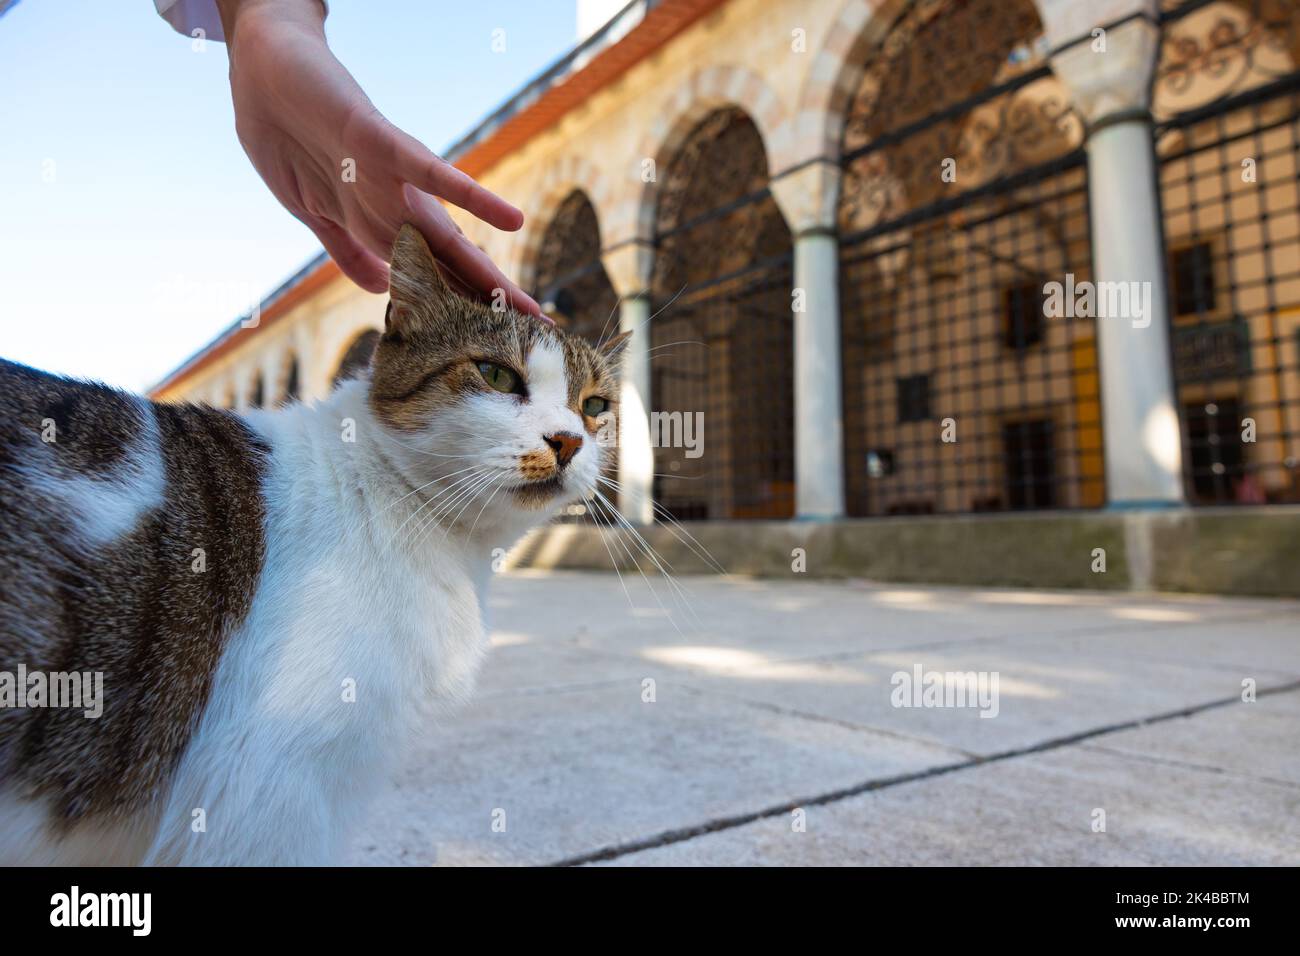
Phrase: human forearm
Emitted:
{"points": [[332, 159], [308, 14]]}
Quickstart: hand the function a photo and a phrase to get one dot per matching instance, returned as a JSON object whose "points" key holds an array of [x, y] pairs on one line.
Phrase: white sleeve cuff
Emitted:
{"points": [[186, 16]]}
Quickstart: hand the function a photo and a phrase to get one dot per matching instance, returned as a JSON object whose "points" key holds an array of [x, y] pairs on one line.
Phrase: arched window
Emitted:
{"points": [[964, 197], [722, 380], [356, 360], [256, 396], [570, 280]]}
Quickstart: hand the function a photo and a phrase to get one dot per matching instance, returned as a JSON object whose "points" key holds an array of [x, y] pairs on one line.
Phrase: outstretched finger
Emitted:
{"points": [[472, 266], [431, 173]]}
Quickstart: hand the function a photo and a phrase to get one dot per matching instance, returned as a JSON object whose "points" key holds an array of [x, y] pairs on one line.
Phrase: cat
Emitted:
{"points": [[271, 598]]}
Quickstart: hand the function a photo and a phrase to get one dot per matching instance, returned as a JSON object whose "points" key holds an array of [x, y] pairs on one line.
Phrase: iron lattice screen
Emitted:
{"points": [[961, 392], [1228, 95], [967, 386], [721, 365], [723, 387]]}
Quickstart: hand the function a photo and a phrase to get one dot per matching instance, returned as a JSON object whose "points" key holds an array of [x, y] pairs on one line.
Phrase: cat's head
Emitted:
{"points": [[504, 412]]}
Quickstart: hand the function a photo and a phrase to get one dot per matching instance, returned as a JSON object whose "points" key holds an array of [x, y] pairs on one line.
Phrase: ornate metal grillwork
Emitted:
{"points": [[958, 81], [968, 387], [571, 282], [1229, 146], [722, 381], [1212, 50]]}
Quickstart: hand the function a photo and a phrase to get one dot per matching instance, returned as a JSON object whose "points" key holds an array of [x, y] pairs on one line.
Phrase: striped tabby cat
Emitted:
{"points": [[270, 597]]}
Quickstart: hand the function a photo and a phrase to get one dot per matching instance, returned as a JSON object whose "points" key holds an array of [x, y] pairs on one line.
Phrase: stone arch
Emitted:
{"points": [[722, 334], [354, 355], [568, 277], [721, 164], [329, 342], [557, 182], [836, 71], [704, 92], [913, 100], [859, 28]]}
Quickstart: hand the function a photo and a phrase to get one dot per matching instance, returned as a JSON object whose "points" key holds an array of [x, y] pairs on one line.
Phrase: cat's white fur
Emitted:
{"points": [[109, 506], [358, 597]]}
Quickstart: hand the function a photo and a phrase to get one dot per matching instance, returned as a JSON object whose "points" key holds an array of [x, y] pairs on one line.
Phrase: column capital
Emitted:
{"points": [[808, 194], [629, 265], [1108, 74]]}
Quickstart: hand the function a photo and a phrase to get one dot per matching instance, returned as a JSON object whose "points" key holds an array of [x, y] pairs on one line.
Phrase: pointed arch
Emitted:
{"points": [[356, 358], [704, 92], [568, 277], [723, 332], [557, 183]]}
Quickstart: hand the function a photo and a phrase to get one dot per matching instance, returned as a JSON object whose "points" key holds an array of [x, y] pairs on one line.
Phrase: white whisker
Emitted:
{"points": [[673, 525], [459, 483], [456, 489], [613, 561], [618, 306], [655, 558]]}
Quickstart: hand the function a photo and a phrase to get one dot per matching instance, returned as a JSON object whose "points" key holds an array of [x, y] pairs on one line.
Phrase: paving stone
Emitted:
{"points": [[582, 769], [1036, 810], [779, 691]]}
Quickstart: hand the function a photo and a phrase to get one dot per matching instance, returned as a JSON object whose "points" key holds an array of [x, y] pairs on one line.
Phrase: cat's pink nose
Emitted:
{"points": [[565, 445]]}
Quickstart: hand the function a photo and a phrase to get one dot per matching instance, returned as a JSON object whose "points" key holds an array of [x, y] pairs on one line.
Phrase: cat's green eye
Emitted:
{"points": [[595, 406], [499, 377]]}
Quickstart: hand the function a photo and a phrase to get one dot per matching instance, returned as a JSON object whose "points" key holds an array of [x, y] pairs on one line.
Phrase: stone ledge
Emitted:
{"points": [[1213, 550]]}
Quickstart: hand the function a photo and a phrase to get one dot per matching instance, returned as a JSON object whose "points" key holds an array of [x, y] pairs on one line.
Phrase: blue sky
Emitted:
{"points": [[131, 223]]}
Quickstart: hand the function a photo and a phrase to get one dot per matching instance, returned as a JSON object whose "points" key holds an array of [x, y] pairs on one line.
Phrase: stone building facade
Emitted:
{"points": [[907, 260]]}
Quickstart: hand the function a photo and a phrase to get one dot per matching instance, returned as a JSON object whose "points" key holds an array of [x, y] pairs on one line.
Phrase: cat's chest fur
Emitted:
{"points": [[359, 587], [352, 640]]}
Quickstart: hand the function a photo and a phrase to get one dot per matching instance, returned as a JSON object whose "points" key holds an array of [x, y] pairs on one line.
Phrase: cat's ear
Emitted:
{"points": [[417, 289], [613, 349]]}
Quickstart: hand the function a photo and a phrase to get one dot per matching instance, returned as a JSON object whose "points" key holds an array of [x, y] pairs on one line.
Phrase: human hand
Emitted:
{"points": [[300, 115]]}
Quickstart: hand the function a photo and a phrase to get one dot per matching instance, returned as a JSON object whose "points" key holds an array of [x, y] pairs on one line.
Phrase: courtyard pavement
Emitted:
{"points": [[753, 724]]}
